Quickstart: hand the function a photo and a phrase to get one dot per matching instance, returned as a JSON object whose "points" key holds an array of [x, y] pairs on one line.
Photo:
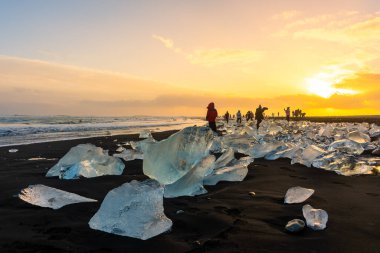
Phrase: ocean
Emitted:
{"points": [[16, 130]]}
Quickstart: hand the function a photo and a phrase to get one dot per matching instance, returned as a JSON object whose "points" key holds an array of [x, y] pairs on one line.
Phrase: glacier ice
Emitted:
{"points": [[191, 184], [86, 160], [133, 209], [316, 219], [347, 146], [142, 146], [13, 150], [45, 196], [359, 137], [129, 155], [295, 225], [235, 170], [262, 149], [308, 155], [145, 134], [169, 160], [297, 195]]}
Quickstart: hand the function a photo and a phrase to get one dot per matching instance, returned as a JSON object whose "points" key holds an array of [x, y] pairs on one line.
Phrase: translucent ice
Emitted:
{"points": [[86, 160], [297, 195], [316, 219], [13, 150], [286, 153], [145, 134], [170, 159], [295, 225], [190, 184], [133, 209], [142, 146], [308, 155], [225, 158], [262, 149], [347, 146], [235, 171], [239, 143], [130, 154], [45, 196], [374, 131], [359, 137]]}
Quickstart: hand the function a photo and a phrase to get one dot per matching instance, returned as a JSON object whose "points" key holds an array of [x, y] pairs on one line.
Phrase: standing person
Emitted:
{"points": [[287, 112], [238, 117], [212, 113], [260, 115], [227, 116], [278, 114]]}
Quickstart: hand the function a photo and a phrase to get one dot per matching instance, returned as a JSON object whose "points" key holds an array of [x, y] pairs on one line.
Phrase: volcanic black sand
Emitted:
{"points": [[226, 219]]}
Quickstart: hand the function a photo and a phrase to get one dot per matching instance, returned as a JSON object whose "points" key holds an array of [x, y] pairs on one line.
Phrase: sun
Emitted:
{"points": [[323, 85]]}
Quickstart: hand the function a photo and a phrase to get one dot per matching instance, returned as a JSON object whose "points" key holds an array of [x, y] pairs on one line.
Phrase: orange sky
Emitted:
{"points": [[132, 59]]}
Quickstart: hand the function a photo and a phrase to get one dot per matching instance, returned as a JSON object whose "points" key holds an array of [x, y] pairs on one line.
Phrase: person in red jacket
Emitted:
{"points": [[212, 113]]}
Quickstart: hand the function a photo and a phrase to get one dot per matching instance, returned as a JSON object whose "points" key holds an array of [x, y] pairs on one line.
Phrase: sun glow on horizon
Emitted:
{"points": [[323, 84]]}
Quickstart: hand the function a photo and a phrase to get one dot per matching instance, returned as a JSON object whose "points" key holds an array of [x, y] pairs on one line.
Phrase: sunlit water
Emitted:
{"points": [[15, 130]]}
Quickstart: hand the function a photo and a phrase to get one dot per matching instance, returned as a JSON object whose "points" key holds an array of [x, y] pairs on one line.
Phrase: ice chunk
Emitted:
{"points": [[274, 129], [297, 195], [133, 209], [145, 134], [326, 131], [225, 158], [316, 219], [347, 146], [190, 184], [359, 169], [45, 196], [262, 149], [374, 131], [309, 154], [359, 137], [170, 159], [130, 154], [236, 171], [239, 143], [120, 149], [142, 146], [376, 151], [13, 150], [286, 153], [295, 225], [86, 160]]}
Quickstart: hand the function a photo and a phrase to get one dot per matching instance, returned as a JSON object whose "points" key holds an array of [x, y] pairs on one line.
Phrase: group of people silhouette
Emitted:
{"points": [[212, 114]]}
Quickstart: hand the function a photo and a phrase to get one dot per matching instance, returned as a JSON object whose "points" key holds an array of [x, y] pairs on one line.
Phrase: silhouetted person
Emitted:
{"points": [[212, 113], [227, 116], [278, 114], [260, 115], [238, 117], [287, 112]]}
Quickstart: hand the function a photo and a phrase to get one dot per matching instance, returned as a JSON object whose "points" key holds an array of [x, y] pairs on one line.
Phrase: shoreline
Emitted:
{"points": [[226, 219]]}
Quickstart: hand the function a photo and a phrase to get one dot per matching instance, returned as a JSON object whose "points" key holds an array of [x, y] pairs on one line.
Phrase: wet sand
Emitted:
{"points": [[226, 219]]}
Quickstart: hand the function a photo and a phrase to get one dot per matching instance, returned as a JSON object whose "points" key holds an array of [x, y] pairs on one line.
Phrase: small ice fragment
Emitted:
{"points": [[13, 150], [45, 196], [133, 209], [120, 149], [297, 195], [295, 225], [145, 134], [129, 155], [252, 194], [347, 146], [316, 219], [180, 211]]}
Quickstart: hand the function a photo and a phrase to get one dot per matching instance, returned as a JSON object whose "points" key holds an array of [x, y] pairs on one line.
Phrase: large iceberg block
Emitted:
{"points": [[169, 160], [133, 209], [347, 146], [316, 219], [191, 184], [236, 170], [86, 160], [45, 196], [297, 195]]}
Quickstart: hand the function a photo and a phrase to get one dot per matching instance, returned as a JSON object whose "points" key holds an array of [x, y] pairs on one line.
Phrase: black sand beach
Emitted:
{"points": [[226, 219]]}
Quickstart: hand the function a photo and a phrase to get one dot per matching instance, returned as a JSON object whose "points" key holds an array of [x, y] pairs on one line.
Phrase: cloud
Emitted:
{"points": [[168, 43], [214, 56]]}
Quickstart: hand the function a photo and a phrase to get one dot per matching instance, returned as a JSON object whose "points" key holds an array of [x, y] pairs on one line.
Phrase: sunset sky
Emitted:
{"points": [[171, 57]]}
